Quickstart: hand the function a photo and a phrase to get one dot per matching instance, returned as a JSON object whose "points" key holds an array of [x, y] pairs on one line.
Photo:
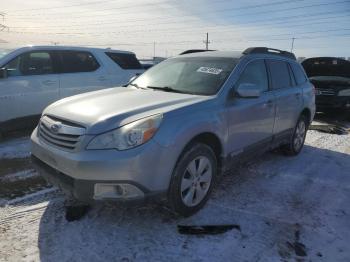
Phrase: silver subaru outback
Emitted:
{"points": [[172, 131]]}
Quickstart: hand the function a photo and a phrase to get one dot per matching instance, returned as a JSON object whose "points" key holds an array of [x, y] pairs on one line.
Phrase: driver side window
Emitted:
{"points": [[255, 73], [33, 63], [13, 67]]}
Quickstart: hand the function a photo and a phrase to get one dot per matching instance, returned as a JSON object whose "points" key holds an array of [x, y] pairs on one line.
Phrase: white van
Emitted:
{"points": [[33, 77]]}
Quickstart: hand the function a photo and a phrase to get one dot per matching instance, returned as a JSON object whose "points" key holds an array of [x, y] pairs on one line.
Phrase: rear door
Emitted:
{"points": [[288, 95], [31, 85], [81, 72], [251, 119]]}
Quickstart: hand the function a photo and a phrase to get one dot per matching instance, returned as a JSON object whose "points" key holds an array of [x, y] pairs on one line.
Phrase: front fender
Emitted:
{"points": [[177, 131]]}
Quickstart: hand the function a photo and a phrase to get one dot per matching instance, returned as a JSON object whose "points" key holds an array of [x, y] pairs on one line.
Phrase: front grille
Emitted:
{"points": [[60, 133], [325, 92]]}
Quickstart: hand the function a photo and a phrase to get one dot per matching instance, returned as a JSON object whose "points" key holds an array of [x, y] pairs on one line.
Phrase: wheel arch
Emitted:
{"points": [[307, 113], [211, 140]]}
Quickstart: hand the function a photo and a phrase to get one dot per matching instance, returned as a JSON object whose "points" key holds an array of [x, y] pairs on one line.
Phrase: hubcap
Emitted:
{"points": [[299, 135], [196, 181]]}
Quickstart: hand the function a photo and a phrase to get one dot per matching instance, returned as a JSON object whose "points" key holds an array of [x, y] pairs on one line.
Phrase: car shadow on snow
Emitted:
{"points": [[271, 200]]}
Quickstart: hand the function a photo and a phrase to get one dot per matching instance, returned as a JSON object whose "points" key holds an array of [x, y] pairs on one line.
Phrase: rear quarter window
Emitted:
{"points": [[124, 60], [298, 73]]}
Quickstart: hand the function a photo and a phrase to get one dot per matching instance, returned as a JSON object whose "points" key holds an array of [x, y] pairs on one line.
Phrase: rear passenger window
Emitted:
{"points": [[124, 60], [299, 74], [255, 73], [280, 77], [78, 61]]}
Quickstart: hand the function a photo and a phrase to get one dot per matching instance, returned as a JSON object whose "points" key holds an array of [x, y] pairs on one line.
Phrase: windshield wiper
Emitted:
{"points": [[135, 85], [167, 89]]}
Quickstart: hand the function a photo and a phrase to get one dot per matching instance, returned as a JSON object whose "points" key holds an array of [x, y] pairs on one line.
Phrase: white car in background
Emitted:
{"points": [[33, 77]]}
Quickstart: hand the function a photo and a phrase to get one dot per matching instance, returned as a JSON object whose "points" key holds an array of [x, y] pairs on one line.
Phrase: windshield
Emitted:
{"points": [[331, 69], [191, 75]]}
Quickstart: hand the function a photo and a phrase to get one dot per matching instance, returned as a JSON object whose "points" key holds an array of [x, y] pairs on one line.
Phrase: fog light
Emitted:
{"points": [[116, 191]]}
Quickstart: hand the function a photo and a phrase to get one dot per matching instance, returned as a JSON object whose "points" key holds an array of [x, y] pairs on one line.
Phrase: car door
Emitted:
{"points": [[80, 73], [31, 84], [288, 96], [251, 120]]}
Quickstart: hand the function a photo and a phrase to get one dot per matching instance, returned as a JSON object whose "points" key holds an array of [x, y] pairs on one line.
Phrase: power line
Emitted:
{"points": [[215, 11], [176, 21], [58, 7], [220, 40], [185, 30], [164, 2]]}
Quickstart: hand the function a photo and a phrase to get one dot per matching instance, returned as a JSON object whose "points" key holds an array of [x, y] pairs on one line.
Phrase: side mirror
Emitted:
{"points": [[247, 90], [3, 73]]}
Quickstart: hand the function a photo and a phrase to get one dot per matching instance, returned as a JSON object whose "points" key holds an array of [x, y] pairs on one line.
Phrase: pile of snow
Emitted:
{"points": [[16, 148]]}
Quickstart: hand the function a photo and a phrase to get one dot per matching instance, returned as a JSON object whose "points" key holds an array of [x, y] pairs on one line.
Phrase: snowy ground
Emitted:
{"points": [[281, 204]]}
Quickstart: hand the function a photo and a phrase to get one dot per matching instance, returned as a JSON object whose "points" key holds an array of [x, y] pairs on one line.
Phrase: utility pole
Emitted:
{"points": [[2, 26], [291, 50], [207, 42]]}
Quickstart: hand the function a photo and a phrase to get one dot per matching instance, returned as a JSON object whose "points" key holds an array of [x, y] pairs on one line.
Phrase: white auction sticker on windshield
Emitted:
{"points": [[209, 70]]}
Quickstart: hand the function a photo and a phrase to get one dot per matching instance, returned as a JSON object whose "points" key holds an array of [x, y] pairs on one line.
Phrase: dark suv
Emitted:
{"points": [[331, 78]]}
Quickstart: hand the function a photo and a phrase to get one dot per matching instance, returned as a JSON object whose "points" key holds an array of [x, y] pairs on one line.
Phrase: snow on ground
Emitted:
{"points": [[281, 204], [18, 148]]}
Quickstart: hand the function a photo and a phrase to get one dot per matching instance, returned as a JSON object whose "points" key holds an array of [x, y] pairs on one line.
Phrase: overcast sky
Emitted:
{"points": [[320, 28]]}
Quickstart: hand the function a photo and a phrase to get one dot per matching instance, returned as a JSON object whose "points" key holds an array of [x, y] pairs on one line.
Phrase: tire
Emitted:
{"points": [[193, 179], [297, 140]]}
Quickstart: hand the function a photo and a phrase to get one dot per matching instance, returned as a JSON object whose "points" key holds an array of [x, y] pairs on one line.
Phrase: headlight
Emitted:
{"points": [[345, 92], [128, 136]]}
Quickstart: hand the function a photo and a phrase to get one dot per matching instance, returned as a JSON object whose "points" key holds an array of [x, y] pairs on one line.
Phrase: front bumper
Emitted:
{"points": [[145, 170]]}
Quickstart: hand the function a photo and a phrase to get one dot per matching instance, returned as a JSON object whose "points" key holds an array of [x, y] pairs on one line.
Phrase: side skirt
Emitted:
{"points": [[257, 149]]}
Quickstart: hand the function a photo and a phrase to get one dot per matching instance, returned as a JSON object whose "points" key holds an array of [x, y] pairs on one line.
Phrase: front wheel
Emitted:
{"points": [[193, 179], [297, 140]]}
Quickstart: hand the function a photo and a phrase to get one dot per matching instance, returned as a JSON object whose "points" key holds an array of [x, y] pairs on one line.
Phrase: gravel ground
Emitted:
{"points": [[281, 209]]}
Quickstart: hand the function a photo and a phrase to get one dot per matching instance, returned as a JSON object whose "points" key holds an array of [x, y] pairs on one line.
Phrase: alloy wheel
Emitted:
{"points": [[299, 136], [196, 181]]}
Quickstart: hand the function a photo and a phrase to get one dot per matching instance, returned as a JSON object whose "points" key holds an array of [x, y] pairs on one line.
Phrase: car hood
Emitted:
{"points": [[107, 109], [326, 66]]}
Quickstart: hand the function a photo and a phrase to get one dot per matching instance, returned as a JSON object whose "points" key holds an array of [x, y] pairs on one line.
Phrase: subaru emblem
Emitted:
{"points": [[55, 128]]}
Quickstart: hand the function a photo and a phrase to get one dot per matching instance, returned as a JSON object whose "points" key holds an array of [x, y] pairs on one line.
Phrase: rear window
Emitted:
{"points": [[298, 73], [78, 61], [125, 61]]}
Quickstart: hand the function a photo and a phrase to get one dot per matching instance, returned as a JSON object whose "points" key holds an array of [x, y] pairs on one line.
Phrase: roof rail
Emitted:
{"points": [[267, 50], [190, 51]]}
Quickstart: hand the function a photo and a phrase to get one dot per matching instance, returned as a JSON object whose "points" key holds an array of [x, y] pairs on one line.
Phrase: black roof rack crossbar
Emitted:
{"points": [[267, 50]]}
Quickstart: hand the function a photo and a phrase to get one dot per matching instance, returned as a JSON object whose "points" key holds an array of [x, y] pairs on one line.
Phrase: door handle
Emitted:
{"points": [[269, 103], [49, 82]]}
